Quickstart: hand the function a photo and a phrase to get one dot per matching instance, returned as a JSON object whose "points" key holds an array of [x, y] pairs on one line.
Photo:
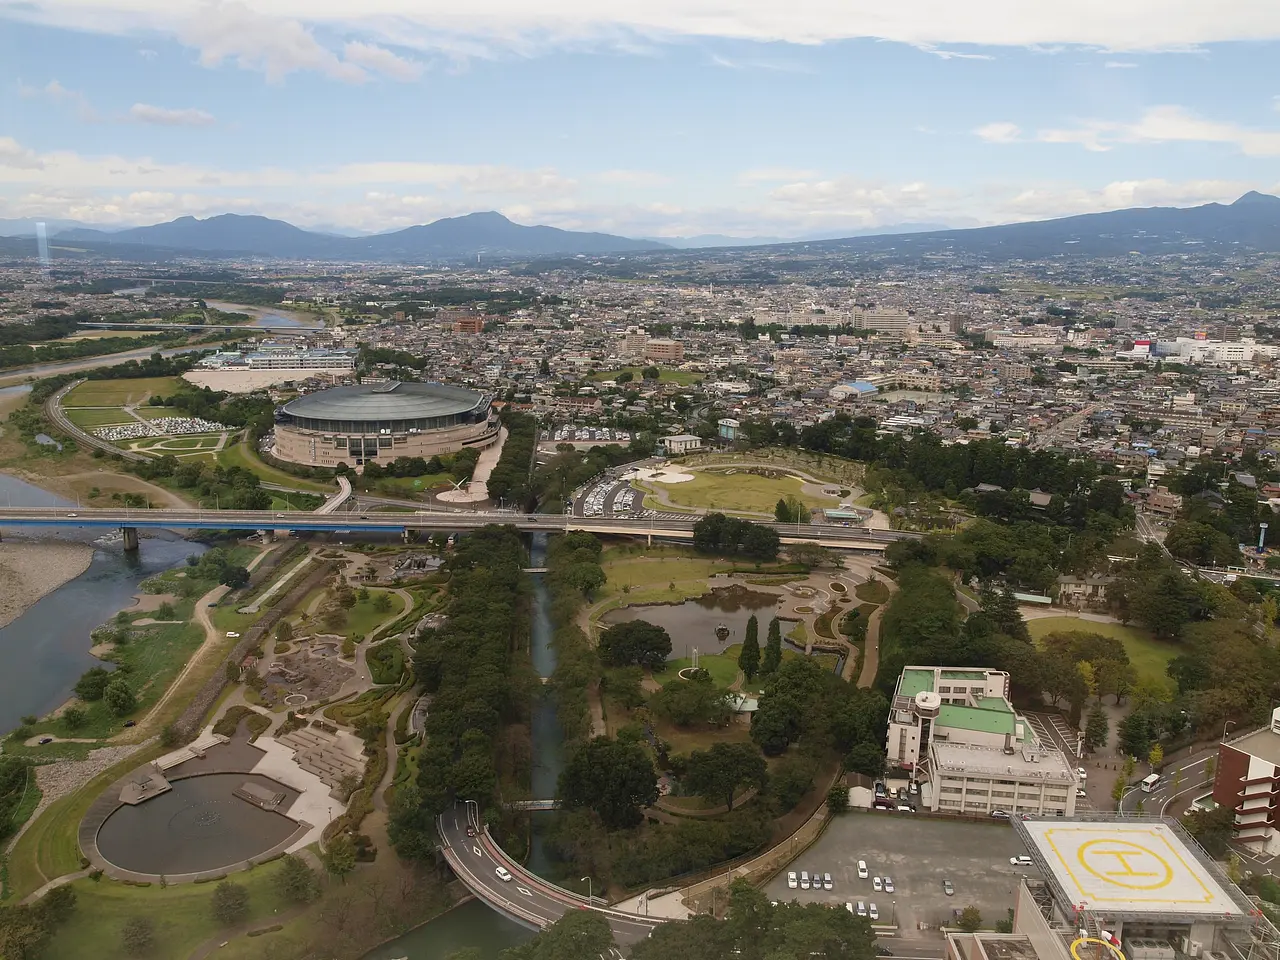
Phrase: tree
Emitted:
{"points": [[119, 697], [234, 577], [339, 856], [382, 603], [138, 935], [57, 905], [230, 903], [635, 641], [92, 683], [689, 702], [812, 555], [1155, 756], [865, 758], [284, 631], [1118, 788], [838, 798], [626, 376], [1097, 731], [1135, 734], [578, 934], [970, 919], [749, 658], [296, 880], [73, 718], [716, 773], [772, 648], [613, 779], [650, 373]]}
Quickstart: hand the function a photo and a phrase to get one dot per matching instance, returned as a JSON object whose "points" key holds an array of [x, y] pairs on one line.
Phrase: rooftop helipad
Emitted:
{"points": [[1129, 868]]}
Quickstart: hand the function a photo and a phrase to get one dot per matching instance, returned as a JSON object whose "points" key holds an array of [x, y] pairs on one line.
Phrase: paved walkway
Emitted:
{"points": [[871, 648]]}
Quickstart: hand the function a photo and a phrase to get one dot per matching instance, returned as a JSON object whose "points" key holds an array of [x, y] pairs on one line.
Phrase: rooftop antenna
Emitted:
{"points": [[42, 246]]}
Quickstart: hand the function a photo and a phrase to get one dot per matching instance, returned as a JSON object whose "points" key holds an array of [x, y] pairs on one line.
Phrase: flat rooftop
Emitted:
{"points": [[1129, 868], [972, 759], [994, 715], [1262, 744]]}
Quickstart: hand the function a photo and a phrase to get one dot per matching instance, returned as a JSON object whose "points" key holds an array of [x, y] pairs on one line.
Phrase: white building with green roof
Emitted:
{"points": [[956, 730]]}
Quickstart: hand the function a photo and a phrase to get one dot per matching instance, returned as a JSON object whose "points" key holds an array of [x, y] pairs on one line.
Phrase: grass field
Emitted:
{"points": [[161, 445], [90, 417], [682, 377], [873, 591], [240, 455], [1148, 655], [181, 915], [117, 393], [723, 669], [740, 491]]}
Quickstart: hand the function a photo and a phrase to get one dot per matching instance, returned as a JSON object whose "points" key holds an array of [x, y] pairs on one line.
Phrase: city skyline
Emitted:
{"points": [[663, 121]]}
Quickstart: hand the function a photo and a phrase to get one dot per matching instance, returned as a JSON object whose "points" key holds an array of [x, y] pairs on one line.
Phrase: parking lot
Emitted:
{"points": [[918, 853]]}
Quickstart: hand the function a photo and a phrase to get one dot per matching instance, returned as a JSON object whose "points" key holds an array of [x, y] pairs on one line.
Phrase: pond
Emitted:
{"points": [[694, 623]]}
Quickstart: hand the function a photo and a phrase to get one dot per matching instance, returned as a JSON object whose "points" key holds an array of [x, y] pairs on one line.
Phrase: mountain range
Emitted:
{"points": [[476, 233], [1250, 223], [704, 240]]}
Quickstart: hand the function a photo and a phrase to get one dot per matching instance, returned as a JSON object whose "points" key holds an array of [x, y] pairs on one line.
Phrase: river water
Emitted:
{"points": [[44, 651], [265, 316]]}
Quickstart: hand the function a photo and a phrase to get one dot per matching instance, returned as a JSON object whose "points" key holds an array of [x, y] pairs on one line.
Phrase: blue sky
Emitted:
{"points": [[643, 117]]}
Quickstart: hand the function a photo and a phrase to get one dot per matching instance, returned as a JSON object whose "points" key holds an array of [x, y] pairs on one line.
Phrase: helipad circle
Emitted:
{"points": [[1125, 863]]}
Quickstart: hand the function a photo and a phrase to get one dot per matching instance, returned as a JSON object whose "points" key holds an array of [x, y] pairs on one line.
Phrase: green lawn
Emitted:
{"points": [[738, 491], [682, 377], [201, 441], [410, 487], [1148, 655], [723, 668], [873, 591], [240, 455], [88, 417], [180, 913], [117, 393]]}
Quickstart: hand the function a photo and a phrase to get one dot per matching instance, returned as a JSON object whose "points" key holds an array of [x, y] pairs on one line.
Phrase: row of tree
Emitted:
{"points": [[734, 537], [510, 479]]}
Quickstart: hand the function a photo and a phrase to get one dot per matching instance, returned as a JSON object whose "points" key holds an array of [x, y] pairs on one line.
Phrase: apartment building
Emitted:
{"points": [[896, 323], [1248, 781], [664, 351]]}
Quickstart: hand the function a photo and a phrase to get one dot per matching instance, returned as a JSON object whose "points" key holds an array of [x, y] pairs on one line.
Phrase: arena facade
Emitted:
{"points": [[382, 421]]}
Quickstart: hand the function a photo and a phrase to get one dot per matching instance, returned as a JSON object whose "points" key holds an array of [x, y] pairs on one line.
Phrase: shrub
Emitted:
{"points": [[138, 935], [230, 903]]}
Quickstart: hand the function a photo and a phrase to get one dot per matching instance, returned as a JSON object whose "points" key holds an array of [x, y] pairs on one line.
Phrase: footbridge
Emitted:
{"points": [[197, 518], [525, 898]]}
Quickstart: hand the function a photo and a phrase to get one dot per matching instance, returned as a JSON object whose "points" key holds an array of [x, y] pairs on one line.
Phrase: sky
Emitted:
{"points": [[640, 117]]}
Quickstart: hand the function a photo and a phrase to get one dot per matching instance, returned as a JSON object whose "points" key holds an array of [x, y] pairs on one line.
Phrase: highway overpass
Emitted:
{"points": [[525, 898], [189, 518]]}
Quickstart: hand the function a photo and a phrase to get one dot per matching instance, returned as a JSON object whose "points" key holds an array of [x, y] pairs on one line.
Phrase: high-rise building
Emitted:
{"points": [[664, 351], [634, 342]]}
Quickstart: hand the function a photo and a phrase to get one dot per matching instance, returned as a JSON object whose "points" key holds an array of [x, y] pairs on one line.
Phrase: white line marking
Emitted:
{"points": [[524, 891]]}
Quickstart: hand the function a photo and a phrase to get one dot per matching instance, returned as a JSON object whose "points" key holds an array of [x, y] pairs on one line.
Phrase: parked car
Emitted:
{"points": [[1080, 772], [862, 909], [1000, 814], [873, 913], [888, 884], [44, 740], [877, 884], [862, 870], [827, 884], [1023, 861], [948, 889], [848, 906], [792, 881], [804, 879]]}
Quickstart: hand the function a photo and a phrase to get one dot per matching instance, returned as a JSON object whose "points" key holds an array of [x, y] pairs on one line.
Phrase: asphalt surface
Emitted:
{"points": [[918, 853], [526, 898]]}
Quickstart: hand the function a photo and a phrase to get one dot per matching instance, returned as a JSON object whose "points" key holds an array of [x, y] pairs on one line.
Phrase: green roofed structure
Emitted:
{"points": [[956, 733]]}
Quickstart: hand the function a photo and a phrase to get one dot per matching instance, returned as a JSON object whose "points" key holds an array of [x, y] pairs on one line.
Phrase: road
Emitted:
{"points": [[526, 898], [1067, 427], [1193, 782], [835, 536]]}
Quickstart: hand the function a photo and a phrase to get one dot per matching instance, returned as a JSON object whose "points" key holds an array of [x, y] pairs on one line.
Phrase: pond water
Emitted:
{"points": [[473, 924], [198, 825], [45, 650], [694, 622]]}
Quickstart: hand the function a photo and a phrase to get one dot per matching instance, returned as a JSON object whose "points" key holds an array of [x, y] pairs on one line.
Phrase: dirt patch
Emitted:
{"points": [[150, 602], [29, 571], [80, 484]]}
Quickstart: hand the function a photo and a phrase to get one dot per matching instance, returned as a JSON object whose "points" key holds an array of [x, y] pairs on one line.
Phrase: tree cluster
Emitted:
{"points": [[511, 476], [734, 537], [634, 641]]}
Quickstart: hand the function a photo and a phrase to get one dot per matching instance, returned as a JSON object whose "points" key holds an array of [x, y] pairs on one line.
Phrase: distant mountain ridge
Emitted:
{"points": [[1252, 222], [466, 236]]}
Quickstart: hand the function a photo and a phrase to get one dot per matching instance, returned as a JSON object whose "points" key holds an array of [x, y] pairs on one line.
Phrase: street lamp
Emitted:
{"points": [[1224, 728], [588, 880]]}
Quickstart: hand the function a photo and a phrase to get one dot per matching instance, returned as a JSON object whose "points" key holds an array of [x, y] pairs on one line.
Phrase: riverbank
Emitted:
{"points": [[29, 571]]}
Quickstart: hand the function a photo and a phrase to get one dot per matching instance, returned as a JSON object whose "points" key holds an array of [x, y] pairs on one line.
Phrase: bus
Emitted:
{"points": [[1150, 783]]}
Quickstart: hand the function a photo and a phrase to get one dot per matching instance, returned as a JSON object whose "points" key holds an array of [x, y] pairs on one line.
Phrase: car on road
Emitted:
{"points": [[792, 882], [877, 884], [279, 516], [862, 870], [73, 514], [44, 740], [131, 723], [232, 634], [826, 882], [1080, 772], [888, 884], [948, 889], [503, 874], [872, 912]]}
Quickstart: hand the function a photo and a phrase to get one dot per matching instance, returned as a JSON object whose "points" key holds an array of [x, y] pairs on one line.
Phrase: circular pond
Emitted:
{"points": [[198, 825]]}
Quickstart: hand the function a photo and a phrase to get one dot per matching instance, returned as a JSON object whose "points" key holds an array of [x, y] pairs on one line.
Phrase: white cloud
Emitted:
{"points": [[999, 132], [774, 175], [165, 117], [280, 36], [1120, 65], [14, 156], [57, 93], [381, 60], [953, 54], [1167, 124], [632, 178]]}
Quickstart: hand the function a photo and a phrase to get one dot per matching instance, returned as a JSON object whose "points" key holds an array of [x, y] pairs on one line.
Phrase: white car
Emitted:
{"points": [[1022, 861], [862, 909], [232, 634], [877, 884], [1080, 772], [792, 882], [873, 912], [862, 870], [804, 879], [826, 882], [888, 884], [848, 906], [503, 874]]}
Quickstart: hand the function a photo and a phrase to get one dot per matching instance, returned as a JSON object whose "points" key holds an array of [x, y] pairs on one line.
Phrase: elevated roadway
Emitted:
{"points": [[526, 898], [188, 518]]}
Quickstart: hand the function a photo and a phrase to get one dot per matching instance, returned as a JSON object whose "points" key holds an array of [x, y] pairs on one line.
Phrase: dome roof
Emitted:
{"points": [[387, 401]]}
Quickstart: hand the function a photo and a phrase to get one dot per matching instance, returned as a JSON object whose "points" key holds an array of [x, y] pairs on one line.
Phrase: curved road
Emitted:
{"points": [[525, 898]]}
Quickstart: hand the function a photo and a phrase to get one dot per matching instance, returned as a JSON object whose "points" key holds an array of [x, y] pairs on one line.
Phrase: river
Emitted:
{"points": [[267, 316], [44, 651]]}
